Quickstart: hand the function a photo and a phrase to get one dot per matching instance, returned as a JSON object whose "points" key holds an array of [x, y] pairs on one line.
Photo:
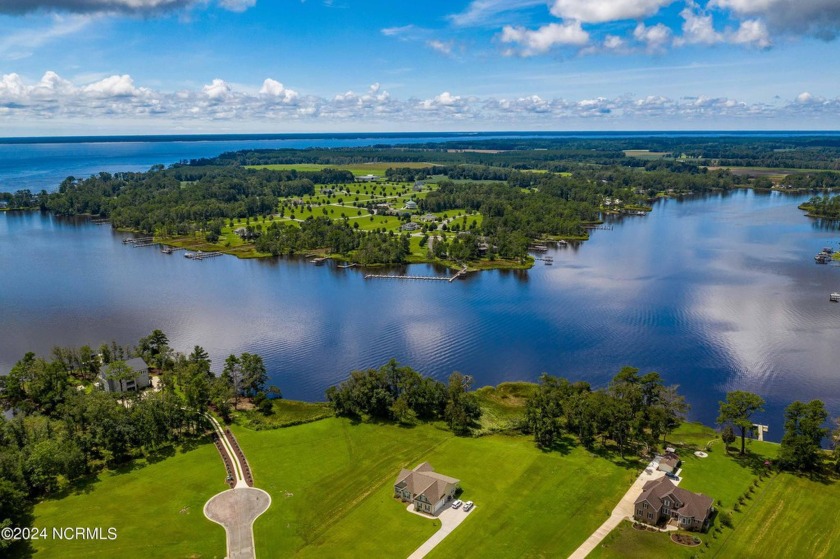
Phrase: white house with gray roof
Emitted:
{"points": [[427, 489], [139, 382]]}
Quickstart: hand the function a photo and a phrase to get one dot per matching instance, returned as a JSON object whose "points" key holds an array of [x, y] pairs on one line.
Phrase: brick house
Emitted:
{"points": [[662, 500]]}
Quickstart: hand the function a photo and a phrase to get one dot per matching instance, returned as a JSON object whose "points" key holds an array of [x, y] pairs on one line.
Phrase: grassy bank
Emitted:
{"points": [[156, 507]]}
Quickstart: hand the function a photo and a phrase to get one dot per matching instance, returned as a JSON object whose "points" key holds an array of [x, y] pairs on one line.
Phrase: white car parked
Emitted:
{"points": [[468, 505], [457, 504]]}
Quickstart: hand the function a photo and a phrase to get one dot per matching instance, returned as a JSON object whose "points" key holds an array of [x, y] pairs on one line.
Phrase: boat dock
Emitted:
{"points": [[141, 244], [170, 250], [319, 261], [834, 297], [344, 266], [450, 279], [138, 240], [201, 255], [598, 227]]}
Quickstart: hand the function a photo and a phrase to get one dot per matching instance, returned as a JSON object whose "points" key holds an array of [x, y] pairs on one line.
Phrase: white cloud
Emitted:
{"points": [[600, 11], [483, 12], [114, 86], [237, 5], [440, 46], [545, 38], [751, 32], [275, 90], [613, 42], [217, 90], [655, 38], [698, 27], [117, 99], [22, 43], [398, 31]]}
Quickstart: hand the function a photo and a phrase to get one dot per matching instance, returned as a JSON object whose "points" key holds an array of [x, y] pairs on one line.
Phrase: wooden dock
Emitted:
{"points": [[598, 227], [201, 255], [344, 266], [142, 244], [450, 279], [138, 240], [319, 261], [170, 250]]}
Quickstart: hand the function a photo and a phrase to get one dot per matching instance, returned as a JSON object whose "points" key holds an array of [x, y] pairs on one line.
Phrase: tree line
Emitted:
{"points": [[62, 428]]}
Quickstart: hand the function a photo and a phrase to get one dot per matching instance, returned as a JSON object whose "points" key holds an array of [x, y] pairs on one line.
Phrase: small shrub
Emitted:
{"points": [[726, 519]]}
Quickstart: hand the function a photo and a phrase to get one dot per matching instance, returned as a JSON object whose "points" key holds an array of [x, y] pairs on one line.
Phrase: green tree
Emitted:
{"points": [[801, 447], [727, 435], [738, 410], [254, 374], [462, 408], [232, 377]]}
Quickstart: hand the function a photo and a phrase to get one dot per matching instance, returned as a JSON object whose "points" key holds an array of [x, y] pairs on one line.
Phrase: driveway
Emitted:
{"points": [[236, 510], [449, 520], [624, 509]]}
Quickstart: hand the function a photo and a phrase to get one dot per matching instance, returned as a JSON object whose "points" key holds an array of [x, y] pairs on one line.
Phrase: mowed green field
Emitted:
{"points": [[357, 169], [791, 517], [331, 482], [157, 510]]}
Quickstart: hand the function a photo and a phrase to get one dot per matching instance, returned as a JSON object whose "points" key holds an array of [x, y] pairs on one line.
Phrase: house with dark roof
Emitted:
{"points": [[139, 382], [427, 489], [661, 500], [669, 462]]}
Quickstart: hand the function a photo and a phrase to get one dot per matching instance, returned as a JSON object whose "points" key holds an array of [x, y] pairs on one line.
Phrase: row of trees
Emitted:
{"points": [[399, 393], [805, 430], [633, 410]]}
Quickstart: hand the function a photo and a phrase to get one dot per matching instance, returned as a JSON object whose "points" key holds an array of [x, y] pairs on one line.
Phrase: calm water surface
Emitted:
{"points": [[715, 293]]}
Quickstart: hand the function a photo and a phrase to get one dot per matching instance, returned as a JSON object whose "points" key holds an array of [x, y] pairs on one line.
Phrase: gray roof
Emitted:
{"points": [[423, 480], [136, 364]]}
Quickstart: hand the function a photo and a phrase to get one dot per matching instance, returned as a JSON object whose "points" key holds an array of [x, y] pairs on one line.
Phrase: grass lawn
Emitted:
{"points": [[331, 483], [157, 509], [503, 406], [358, 169], [285, 413], [731, 480], [791, 517]]}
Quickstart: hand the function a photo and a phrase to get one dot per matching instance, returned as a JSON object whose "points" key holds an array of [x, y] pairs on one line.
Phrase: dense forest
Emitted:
{"points": [[524, 189]]}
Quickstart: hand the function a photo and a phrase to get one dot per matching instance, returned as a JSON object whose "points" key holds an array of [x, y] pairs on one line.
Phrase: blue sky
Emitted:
{"points": [[157, 66]]}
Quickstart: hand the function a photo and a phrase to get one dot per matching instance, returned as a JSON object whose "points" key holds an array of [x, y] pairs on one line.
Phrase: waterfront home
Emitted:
{"points": [[661, 500], [139, 382], [427, 489]]}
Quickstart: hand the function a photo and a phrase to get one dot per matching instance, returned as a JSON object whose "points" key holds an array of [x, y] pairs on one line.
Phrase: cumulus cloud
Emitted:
{"points": [[698, 27], [820, 18], [600, 11], [113, 6], [275, 90], [655, 38], [545, 38], [118, 99], [217, 90]]}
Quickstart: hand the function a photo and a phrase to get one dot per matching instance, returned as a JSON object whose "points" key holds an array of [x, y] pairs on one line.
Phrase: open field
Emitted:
{"points": [[285, 413], [358, 169], [791, 517], [547, 502], [647, 154], [157, 509]]}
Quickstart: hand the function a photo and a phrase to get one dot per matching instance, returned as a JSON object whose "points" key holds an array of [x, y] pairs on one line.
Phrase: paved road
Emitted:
{"points": [[449, 520], [623, 510], [236, 510]]}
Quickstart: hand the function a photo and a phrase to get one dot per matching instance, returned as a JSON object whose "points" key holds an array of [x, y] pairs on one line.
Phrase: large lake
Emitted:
{"points": [[715, 293]]}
